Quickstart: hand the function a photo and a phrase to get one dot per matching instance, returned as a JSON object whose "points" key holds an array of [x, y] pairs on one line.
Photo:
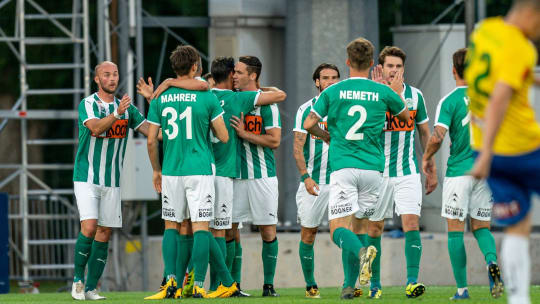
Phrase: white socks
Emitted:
{"points": [[516, 265]]}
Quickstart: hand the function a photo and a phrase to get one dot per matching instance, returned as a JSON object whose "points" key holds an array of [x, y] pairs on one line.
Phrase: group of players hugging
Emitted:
{"points": [[354, 146]]}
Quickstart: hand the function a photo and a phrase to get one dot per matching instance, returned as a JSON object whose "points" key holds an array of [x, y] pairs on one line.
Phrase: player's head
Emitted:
{"points": [[458, 64], [184, 60], [247, 72], [106, 76], [325, 75], [360, 54], [527, 14], [198, 73], [208, 77], [223, 70], [392, 60]]}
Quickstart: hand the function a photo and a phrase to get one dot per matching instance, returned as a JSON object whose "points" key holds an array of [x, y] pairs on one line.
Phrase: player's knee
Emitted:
{"points": [[88, 228], [103, 234], [268, 233], [308, 235], [375, 229]]}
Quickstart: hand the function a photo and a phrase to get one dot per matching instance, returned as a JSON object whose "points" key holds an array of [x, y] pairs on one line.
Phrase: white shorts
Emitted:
{"points": [[352, 190], [100, 203], [223, 204], [380, 212], [186, 197], [256, 200], [464, 195], [312, 209]]}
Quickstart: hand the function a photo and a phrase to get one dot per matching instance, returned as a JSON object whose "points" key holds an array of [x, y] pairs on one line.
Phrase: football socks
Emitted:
{"points": [[307, 255], [376, 266], [486, 242], [96, 263], [413, 253], [83, 246], [458, 257], [200, 256], [169, 250], [516, 264], [269, 258]]}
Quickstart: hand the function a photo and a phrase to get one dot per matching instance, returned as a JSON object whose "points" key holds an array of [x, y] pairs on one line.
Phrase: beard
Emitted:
{"points": [[106, 89]]}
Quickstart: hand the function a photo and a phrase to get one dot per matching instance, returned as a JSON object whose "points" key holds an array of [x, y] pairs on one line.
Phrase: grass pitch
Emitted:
{"points": [[434, 294]]}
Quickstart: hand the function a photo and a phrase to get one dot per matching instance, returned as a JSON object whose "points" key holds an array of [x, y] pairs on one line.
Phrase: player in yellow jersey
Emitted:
{"points": [[505, 134]]}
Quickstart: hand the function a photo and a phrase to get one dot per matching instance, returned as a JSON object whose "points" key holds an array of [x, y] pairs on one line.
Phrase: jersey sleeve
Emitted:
{"points": [[136, 119], [421, 114], [271, 117], [443, 116], [301, 116], [321, 105], [215, 108], [513, 69], [153, 113], [87, 110], [248, 100], [393, 101]]}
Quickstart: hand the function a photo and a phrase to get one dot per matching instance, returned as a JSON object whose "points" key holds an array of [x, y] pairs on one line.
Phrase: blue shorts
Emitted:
{"points": [[513, 180]]}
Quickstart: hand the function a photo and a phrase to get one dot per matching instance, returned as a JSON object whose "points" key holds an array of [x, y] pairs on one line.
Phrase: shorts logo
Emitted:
{"points": [[221, 222], [165, 199], [272, 215], [341, 208], [484, 212], [224, 209], [455, 197], [209, 198], [342, 195], [168, 212], [453, 211], [205, 212], [506, 210], [369, 212]]}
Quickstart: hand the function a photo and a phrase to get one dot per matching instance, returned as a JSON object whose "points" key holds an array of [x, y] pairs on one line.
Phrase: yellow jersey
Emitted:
{"points": [[499, 52]]}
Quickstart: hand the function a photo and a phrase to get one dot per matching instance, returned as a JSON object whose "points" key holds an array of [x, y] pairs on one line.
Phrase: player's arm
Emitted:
{"points": [[187, 84], [311, 124], [219, 129], [153, 154], [434, 143], [494, 115], [424, 134], [298, 152], [270, 95], [144, 128], [98, 126], [428, 164]]}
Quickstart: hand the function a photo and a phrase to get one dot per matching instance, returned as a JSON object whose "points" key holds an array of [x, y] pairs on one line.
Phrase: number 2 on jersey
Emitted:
{"points": [[351, 134], [171, 121]]}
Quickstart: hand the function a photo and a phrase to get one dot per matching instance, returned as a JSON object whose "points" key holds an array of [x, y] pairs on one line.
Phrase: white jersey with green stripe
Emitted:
{"points": [[258, 161], [398, 136], [100, 157], [315, 149]]}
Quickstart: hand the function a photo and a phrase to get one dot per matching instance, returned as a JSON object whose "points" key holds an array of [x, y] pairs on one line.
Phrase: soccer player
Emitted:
{"points": [[186, 180], [462, 194], [256, 192], [311, 157], [401, 183], [103, 128], [210, 79], [356, 110], [505, 134]]}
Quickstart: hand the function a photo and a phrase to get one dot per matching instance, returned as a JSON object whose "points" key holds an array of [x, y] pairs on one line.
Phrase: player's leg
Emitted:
{"points": [[458, 256], [516, 261], [87, 197], [480, 211], [352, 265], [184, 271], [240, 214], [408, 198], [230, 244]]}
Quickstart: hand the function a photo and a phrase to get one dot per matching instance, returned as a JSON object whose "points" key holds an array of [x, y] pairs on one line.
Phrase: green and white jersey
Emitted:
{"points": [[453, 115], [258, 161], [356, 110], [100, 157], [398, 136], [233, 103], [185, 117], [315, 149]]}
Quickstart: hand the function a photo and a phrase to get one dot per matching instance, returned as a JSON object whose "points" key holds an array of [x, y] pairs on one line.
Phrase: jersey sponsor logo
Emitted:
{"points": [[118, 130], [323, 125], [394, 124], [253, 124]]}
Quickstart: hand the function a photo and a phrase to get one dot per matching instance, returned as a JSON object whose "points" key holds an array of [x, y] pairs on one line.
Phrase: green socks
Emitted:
{"points": [[236, 270], [200, 256], [486, 242], [413, 253], [458, 257], [83, 246], [376, 266], [217, 256], [347, 240], [353, 263], [183, 253], [269, 257], [231, 246], [169, 250], [214, 280], [96, 263], [308, 264]]}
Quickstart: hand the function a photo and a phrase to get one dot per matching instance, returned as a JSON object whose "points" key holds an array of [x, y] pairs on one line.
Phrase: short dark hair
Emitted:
{"points": [[391, 51], [360, 53], [253, 63], [183, 58], [458, 59], [221, 68], [322, 66], [207, 76]]}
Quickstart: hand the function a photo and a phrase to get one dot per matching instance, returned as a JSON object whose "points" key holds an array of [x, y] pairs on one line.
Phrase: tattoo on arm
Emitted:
{"points": [[439, 134], [299, 141]]}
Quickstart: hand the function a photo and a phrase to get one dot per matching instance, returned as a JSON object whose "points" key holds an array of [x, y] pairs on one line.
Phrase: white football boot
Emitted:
{"points": [[93, 295], [77, 290]]}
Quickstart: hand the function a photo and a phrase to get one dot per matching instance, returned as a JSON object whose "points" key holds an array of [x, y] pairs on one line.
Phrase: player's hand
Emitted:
{"points": [[397, 83], [377, 75], [311, 186], [326, 137], [238, 125], [125, 102], [482, 166], [156, 180], [145, 89], [162, 88], [430, 170]]}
